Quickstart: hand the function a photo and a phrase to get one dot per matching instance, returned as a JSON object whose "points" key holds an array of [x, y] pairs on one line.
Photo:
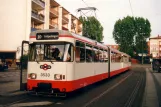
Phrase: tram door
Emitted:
{"points": [[23, 65]]}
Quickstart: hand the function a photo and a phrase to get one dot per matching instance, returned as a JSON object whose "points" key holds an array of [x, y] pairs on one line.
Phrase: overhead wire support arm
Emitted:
{"points": [[87, 8]]}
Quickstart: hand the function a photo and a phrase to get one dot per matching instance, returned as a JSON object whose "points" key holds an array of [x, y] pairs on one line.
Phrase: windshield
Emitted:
{"points": [[58, 51]]}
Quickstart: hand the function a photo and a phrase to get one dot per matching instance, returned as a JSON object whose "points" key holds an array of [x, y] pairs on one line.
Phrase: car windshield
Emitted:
{"points": [[49, 51]]}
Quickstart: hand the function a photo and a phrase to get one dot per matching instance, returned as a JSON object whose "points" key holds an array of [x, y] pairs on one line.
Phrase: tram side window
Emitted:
{"points": [[80, 52], [129, 59], [89, 53], [125, 59], [32, 52], [118, 57], [89, 57], [101, 56], [121, 60], [39, 52], [105, 56], [70, 53], [112, 57], [96, 54]]}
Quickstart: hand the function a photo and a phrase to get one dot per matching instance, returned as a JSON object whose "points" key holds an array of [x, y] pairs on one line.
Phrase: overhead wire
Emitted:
{"points": [[131, 8], [85, 3]]}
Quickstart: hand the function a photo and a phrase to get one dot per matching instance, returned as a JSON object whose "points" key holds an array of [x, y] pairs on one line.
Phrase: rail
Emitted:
{"points": [[40, 2], [38, 16]]}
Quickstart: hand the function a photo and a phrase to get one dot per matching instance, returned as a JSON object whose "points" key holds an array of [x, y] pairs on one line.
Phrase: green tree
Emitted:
{"points": [[143, 29], [131, 33], [123, 33], [92, 28]]}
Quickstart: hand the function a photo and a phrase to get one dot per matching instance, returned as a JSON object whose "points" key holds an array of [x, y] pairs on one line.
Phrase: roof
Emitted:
{"points": [[158, 37], [83, 38]]}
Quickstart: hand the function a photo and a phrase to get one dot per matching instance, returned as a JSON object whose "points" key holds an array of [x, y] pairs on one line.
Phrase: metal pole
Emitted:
{"points": [[21, 84], [109, 61], [142, 53], [21, 87]]}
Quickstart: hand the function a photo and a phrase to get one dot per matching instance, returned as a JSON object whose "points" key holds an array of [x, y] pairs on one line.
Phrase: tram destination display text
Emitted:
{"points": [[47, 36]]}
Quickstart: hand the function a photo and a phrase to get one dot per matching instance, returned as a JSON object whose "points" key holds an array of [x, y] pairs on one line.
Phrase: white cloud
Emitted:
{"points": [[109, 11]]}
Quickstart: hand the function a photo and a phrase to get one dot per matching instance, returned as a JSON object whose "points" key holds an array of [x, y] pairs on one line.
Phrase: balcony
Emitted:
{"points": [[53, 13], [65, 20], [33, 29], [73, 26], [38, 18], [53, 25], [38, 4], [64, 28], [79, 29]]}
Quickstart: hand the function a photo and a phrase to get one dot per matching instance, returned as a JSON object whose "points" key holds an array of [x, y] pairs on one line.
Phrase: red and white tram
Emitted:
{"points": [[61, 62]]}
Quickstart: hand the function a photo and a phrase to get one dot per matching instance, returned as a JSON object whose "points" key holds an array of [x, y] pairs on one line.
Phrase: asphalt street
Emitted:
{"points": [[124, 90]]}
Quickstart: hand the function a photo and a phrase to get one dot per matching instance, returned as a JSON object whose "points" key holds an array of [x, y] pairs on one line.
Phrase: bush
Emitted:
{"points": [[24, 61]]}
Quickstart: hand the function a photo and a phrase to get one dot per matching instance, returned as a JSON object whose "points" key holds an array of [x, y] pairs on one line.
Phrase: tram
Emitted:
{"points": [[61, 62]]}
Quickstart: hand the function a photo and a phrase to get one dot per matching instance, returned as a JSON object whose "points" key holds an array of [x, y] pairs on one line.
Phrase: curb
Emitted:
{"points": [[150, 96]]}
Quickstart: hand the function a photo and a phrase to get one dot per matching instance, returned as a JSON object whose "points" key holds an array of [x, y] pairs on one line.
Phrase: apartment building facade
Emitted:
{"points": [[114, 46], [20, 17], [155, 46]]}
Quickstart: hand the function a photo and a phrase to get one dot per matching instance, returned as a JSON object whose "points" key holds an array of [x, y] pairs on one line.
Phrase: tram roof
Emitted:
{"points": [[77, 36]]}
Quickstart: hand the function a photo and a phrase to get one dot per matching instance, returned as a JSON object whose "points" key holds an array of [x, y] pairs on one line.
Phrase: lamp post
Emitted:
{"points": [[142, 59]]}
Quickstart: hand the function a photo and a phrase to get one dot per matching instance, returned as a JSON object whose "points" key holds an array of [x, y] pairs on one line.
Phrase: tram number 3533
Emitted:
{"points": [[45, 74]]}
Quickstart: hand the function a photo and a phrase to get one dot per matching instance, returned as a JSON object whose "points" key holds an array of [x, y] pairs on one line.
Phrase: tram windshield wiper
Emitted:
{"points": [[37, 61], [51, 61]]}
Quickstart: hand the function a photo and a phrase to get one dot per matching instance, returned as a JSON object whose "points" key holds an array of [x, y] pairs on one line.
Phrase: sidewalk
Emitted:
{"points": [[13, 70], [150, 97], [10, 82]]}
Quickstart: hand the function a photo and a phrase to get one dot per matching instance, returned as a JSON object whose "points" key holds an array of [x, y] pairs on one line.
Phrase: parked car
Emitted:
{"points": [[3, 66], [156, 65]]}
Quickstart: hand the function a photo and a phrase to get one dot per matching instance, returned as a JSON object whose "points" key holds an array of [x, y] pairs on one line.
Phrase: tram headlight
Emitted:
{"points": [[32, 76], [58, 77]]}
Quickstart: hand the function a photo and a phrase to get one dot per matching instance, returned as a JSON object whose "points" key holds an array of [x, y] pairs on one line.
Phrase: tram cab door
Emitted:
{"points": [[23, 65]]}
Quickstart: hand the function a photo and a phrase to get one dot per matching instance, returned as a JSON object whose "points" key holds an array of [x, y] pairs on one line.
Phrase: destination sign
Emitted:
{"points": [[47, 36]]}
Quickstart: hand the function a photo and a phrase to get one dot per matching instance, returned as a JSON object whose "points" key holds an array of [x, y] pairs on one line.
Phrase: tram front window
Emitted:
{"points": [[59, 51]]}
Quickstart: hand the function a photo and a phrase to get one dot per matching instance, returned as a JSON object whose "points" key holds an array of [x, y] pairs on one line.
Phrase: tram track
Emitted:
{"points": [[106, 91], [56, 101], [135, 91], [29, 99], [140, 82], [131, 96], [97, 92], [91, 96]]}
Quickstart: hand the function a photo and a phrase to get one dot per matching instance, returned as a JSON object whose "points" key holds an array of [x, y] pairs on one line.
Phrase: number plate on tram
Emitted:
{"points": [[45, 75]]}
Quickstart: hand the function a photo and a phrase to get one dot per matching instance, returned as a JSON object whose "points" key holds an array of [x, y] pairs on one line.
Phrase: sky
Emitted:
{"points": [[109, 11]]}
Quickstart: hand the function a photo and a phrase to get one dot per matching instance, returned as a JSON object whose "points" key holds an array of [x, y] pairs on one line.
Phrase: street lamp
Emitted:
{"points": [[142, 59]]}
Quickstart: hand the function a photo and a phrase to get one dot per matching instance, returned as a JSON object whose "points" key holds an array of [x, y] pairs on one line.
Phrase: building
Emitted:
{"points": [[114, 46], [20, 17], [155, 46]]}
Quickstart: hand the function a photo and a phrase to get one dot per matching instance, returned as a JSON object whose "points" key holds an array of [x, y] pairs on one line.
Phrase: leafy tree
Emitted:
{"points": [[131, 33], [124, 31], [92, 28], [142, 33]]}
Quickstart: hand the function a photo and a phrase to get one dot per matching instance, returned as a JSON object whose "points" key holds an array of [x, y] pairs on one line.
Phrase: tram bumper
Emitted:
{"points": [[46, 88], [56, 86]]}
